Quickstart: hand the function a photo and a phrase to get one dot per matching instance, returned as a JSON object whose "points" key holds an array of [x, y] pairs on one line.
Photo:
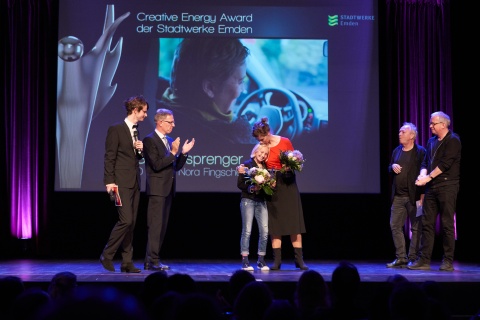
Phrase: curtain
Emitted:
{"points": [[418, 63], [28, 61]]}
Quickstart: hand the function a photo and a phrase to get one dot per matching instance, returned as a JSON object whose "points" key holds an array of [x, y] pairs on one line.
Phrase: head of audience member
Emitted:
{"points": [[408, 301], [154, 285], [311, 292], [239, 279], [345, 282], [396, 278], [30, 303], [182, 283], [281, 309], [345, 287], [62, 285], [252, 301], [164, 306], [10, 288], [379, 303]]}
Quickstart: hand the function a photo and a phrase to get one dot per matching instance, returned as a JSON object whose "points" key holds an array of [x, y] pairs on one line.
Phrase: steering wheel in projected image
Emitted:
{"points": [[280, 106]]}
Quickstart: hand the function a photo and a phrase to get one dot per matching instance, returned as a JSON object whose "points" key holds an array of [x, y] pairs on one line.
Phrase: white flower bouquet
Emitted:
{"points": [[291, 160], [262, 178]]}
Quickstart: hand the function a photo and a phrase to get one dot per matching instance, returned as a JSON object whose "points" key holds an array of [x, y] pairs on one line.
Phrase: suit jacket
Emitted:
{"points": [[121, 165], [161, 165]]}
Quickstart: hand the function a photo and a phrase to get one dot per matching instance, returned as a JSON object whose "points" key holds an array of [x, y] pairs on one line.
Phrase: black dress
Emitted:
{"points": [[285, 212]]}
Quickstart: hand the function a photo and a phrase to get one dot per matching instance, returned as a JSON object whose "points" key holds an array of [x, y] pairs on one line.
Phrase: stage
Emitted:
{"points": [[461, 286]]}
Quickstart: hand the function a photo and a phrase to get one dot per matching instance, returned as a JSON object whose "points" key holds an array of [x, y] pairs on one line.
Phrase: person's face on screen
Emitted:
{"points": [[225, 92]]}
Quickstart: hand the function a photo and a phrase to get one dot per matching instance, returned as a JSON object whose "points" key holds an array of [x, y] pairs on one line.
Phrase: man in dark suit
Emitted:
{"points": [[162, 161], [123, 151]]}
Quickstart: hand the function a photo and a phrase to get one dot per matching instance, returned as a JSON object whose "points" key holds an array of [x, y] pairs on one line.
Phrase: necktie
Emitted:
{"points": [[165, 141]]}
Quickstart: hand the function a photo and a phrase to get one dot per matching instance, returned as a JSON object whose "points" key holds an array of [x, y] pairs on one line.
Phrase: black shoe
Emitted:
{"points": [[446, 266], [411, 262], [107, 263], [419, 265], [301, 266], [155, 267], [398, 263], [129, 268]]}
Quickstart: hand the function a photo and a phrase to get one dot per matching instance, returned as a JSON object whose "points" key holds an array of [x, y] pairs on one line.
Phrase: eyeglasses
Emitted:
{"points": [[434, 123], [170, 122]]}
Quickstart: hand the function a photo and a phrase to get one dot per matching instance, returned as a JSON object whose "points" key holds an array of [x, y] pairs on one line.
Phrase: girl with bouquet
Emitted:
{"points": [[255, 184]]}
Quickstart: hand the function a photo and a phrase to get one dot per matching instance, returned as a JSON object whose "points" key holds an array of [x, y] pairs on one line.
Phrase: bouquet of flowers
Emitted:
{"points": [[291, 159], [262, 178]]}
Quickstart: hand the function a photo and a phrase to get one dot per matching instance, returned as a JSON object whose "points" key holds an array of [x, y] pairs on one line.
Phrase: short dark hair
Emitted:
{"points": [[135, 103]]}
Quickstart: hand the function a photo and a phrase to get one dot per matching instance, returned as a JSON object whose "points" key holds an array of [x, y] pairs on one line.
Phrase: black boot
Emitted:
{"points": [[299, 259], [277, 259]]}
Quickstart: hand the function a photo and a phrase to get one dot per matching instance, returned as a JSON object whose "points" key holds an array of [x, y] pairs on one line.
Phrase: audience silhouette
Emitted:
{"points": [[252, 301], [344, 294], [237, 281], [62, 285], [177, 297], [311, 294]]}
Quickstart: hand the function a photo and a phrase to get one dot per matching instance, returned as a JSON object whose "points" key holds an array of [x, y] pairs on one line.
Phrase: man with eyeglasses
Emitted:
{"points": [[442, 185], [162, 161]]}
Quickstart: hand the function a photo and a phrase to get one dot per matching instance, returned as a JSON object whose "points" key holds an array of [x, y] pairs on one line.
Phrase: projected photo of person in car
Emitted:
{"points": [[212, 88]]}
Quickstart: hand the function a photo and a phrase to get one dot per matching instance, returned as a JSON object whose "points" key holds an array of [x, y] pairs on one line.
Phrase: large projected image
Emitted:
{"points": [[313, 76]]}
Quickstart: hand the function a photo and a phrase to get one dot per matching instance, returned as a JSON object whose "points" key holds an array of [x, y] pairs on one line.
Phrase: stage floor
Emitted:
{"points": [[221, 270]]}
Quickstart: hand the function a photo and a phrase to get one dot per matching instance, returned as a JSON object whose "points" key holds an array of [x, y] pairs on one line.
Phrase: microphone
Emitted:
{"points": [[138, 152]]}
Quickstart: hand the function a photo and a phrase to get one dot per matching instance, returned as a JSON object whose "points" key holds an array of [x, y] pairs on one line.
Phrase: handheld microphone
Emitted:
{"points": [[138, 152]]}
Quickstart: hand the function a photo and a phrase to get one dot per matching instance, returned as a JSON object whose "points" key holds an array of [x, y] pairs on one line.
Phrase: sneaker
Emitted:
{"points": [[446, 266], [246, 265], [261, 265]]}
